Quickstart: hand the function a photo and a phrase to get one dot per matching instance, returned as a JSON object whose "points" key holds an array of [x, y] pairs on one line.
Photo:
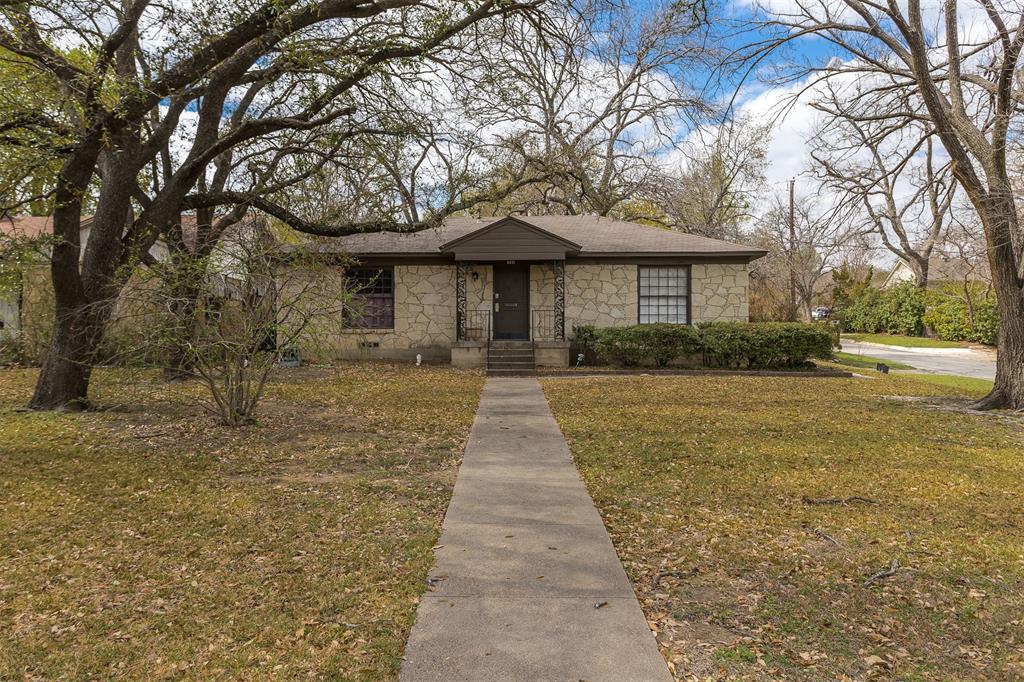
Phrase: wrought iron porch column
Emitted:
{"points": [[461, 273], [559, 268]]}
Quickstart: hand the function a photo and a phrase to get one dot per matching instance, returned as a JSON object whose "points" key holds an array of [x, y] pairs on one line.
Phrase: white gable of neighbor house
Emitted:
{"points": [[901, 273], [158, 251]]}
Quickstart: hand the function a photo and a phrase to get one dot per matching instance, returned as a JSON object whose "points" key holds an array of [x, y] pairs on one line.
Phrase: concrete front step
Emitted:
{"points": [[512, 357], [510, 365], [492, 372]]}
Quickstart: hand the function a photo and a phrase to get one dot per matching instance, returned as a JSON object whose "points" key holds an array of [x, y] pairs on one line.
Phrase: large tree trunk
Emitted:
{"points": [[1008, 391], [179, 363], [184, 292], [1009, 386], [63, 382], [83, 275], [922, 271]]}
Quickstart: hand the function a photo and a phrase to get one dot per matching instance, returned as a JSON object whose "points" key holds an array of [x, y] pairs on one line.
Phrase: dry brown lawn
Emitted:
{"points": [[144, 541], [707, 486]]}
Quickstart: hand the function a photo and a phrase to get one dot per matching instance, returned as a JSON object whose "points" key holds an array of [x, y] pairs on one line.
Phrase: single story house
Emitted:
{"points": [[461, 290]]}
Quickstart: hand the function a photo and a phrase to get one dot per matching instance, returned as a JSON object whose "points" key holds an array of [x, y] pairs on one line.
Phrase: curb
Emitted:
{"points": [[819, 374], [914, 349]]}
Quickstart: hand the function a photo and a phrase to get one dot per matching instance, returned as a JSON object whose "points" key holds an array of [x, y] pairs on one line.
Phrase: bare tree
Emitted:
{"points": [[804, 246], [897, 173], [593, 102], [216, 106], [716, 189], [964, 248], [966, 75], [247, 301]]}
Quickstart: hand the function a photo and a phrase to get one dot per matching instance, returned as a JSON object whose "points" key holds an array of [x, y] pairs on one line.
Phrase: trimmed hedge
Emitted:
{"points": [[952, 312], [723, 344], [898, 310], [765, 345], [660, 343]]}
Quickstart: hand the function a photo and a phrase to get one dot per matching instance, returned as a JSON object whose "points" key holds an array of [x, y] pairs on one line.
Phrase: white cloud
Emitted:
{"points": [[790, 145], [788, 153]]}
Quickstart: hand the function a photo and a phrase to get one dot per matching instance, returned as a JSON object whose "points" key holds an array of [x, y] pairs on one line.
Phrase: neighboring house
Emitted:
{"points": [[10, 313], [28, 310], [448, 292], [942, 269], [13, 301]]}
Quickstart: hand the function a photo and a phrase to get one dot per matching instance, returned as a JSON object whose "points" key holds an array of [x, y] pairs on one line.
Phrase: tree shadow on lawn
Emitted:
{"points": [[148, 541]]}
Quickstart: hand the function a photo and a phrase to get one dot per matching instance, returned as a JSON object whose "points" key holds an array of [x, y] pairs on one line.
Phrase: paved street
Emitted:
{"points": [[968, 363]]}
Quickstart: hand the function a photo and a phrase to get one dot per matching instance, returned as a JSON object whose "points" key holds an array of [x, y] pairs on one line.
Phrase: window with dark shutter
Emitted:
{"points": [[373, 300]]}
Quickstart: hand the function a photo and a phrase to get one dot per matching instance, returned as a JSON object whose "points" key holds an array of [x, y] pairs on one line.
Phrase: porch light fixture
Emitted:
{"points": [[476, 275]]}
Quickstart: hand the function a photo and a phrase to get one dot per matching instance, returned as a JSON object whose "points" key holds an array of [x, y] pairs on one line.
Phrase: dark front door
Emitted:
{"points": [[511, 301]]}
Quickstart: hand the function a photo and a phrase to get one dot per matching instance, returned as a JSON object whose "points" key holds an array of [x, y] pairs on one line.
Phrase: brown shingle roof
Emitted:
{"points": [[33, 227], [27, 227], [944, 267], [597, 236]]}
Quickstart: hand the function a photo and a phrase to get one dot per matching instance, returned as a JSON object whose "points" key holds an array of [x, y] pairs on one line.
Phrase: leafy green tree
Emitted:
{"points": [[847, 287], [963, 313], [208, 106], [30, 136], [904, 311]]}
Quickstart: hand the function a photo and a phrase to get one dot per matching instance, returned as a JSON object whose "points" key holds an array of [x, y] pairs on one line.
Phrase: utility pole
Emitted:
{"points": [[792, 250]]}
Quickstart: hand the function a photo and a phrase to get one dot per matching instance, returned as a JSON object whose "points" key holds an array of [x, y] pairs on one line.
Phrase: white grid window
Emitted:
{"points": [[664, 294]]}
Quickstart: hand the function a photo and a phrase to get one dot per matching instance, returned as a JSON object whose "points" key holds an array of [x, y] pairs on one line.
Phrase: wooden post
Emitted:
{"points": [[792, 250]]}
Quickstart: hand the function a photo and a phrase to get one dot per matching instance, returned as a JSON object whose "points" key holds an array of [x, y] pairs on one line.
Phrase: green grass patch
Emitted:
{"points": [[969, 386], [737, 654], [865, 361], [735, 482], [904, 341], [145, 541]]}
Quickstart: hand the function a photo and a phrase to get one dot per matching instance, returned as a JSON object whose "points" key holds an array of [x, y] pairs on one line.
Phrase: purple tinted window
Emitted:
{"points": [[373, 299]]}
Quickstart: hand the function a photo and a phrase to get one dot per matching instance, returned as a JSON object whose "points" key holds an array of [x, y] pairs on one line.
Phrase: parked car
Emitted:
{"points": [[821, 313]]}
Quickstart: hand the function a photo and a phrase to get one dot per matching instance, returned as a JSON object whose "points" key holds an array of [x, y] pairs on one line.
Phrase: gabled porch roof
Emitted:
{"points": [[510, 239]]}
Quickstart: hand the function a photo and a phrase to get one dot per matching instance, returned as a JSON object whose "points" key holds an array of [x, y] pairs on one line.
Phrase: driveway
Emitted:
{"points": [[960, 361]]}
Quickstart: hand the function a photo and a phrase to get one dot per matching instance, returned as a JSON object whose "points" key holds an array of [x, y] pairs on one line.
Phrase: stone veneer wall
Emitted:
{"points": [[424, 313], [542, 287], [602, 295], [479, 293], [720, 292]]}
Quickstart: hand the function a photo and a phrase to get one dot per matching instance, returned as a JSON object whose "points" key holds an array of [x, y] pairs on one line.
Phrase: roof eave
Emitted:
{"points": [[753, 254], [483, 229]]}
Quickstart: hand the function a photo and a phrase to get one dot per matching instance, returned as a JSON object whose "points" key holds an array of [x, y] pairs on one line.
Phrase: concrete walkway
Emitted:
{"points": [[523, 561]]}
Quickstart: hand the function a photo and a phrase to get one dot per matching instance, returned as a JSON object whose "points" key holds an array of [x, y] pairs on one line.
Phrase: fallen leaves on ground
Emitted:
{"points": [[143, 540], [705, 481]]}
